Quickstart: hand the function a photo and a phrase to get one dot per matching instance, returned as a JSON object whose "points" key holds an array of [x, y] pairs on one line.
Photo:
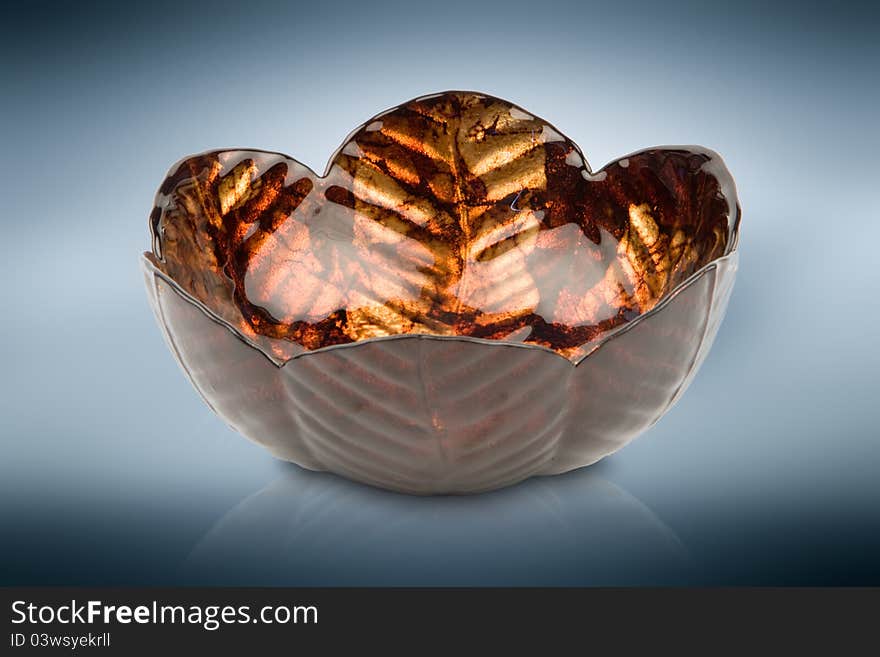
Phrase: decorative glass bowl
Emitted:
{"points": [[457, 304]]}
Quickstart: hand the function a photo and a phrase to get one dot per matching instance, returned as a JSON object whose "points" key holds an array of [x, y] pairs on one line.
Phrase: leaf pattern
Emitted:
{"points": [[456, 214]]}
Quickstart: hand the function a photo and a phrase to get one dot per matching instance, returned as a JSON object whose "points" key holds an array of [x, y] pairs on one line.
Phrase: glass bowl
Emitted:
{"points": [[457, 304]]}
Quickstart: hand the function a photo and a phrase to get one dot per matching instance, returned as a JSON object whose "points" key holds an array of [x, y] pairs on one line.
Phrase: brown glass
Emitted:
{"points": [[457, 304]]}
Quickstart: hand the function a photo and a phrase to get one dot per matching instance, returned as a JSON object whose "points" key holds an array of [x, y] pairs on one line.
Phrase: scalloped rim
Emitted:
{"points": [[719, 170]]}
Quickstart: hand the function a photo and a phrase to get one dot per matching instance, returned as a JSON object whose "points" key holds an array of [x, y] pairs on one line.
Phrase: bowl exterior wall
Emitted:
{"points": [[427, 415]]}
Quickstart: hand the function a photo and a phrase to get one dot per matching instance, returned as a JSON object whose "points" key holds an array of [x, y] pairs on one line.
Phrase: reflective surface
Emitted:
{"points": [[401, 320], [310, 528]]}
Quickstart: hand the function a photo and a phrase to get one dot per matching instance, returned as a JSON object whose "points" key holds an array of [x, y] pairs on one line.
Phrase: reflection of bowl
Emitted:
{"points": [[315, 529], [457, 304]]}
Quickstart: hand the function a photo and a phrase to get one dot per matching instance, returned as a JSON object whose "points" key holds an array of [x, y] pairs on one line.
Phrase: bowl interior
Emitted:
{"points": [[457, 214]]}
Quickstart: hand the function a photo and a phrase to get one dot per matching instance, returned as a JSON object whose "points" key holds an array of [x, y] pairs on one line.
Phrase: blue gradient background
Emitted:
{"points": [[114, 472]]}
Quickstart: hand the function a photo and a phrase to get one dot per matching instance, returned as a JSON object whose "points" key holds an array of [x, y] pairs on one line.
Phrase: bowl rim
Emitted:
{"points": [[717, 166]]}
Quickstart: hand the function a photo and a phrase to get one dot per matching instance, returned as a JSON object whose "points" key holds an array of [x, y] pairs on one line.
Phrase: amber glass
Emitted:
{"points": [[457, 304]]}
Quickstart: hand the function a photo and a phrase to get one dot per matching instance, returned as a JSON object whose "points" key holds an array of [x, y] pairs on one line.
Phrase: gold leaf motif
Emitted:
{"points": [[454, 214]]}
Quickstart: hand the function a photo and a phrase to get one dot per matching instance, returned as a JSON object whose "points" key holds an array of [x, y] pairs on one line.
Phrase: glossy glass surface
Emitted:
{"points": [[457, 215], [458, 304]]}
